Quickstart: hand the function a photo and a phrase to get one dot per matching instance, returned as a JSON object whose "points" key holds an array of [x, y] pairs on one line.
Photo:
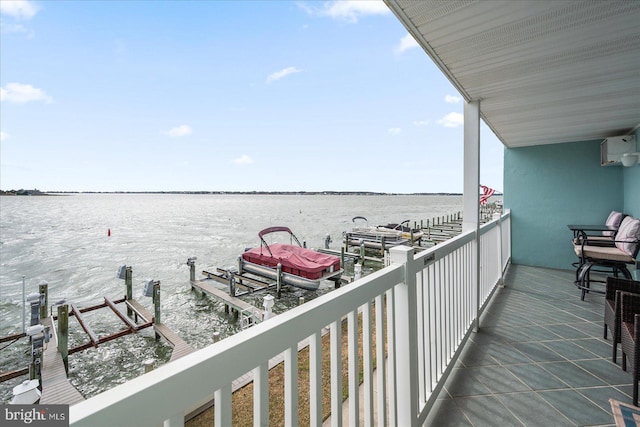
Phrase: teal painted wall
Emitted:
{"points": [[549, 186], [631, 177]]}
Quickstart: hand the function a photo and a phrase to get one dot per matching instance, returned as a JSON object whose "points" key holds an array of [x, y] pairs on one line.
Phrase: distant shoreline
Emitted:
{"points": [[285, 193]]}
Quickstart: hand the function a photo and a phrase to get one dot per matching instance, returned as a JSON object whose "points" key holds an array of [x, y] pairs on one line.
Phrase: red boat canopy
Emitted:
{"points": [[294, 259]]}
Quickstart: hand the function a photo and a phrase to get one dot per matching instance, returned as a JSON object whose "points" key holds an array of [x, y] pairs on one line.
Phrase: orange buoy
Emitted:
{"points": [[109, 232]]}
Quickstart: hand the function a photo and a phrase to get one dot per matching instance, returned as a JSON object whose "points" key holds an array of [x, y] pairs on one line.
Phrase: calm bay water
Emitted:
{"points": [[64, 240]]}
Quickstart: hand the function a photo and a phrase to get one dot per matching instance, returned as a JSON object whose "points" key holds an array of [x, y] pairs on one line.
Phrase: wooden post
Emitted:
{"points": [[128, 281], [362, 252], [383, 245], [279, 281], [156, 301], [63, 334], [192, 271], [43, 290], [232, 284]]}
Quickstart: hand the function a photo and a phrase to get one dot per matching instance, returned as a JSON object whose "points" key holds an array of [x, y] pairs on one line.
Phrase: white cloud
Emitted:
{"points": [[3, 136], [452, 99], [19, 9], [179, 131], [12, 28], [394, 131], [243, 160], [21, 94], [406, 43], [452, 120], [348, 10], [421, 122], [282, 73]]}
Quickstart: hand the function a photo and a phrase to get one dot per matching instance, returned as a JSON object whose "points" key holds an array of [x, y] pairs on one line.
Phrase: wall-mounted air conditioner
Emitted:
{"points": [[612, 149]]}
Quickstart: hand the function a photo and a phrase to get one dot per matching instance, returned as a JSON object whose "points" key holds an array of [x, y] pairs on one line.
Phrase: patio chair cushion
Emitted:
{"points": [[603, 252], [628, 235], [614, 219]]}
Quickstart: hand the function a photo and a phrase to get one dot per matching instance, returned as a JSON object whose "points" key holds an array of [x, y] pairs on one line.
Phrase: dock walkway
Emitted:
{"points": [[180, 346], [56, 388], [236, 303]]}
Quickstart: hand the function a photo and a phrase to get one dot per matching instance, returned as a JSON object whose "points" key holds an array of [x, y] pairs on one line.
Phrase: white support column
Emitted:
{"points": [[471, 203], [406, 339]]}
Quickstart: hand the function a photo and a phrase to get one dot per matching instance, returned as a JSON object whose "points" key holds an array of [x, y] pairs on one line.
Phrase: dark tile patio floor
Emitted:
{"points": [[539, 359]]}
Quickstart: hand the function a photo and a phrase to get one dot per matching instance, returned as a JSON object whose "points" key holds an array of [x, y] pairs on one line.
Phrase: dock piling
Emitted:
{"points": [[279, 281], [128, 281], [43, 290], [191, 262], [24, 301], [63, 334], [156, 301], [232, 284]]}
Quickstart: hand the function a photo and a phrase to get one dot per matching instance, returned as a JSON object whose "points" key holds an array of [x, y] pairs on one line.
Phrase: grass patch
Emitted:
{"points": [[242, 399]]}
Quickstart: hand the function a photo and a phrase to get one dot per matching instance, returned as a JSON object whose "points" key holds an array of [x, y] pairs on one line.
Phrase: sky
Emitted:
{"points": [[225, 96]]}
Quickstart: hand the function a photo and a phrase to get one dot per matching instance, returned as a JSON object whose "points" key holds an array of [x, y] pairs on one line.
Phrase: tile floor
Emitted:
{"points": [[539, 359]]}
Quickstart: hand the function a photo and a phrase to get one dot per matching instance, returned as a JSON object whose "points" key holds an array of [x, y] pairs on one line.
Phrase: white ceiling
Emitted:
{"points": [[545, 71]]}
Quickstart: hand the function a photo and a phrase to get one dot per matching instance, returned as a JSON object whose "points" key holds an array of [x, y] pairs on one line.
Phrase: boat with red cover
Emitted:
{"points": [[301, 267]]}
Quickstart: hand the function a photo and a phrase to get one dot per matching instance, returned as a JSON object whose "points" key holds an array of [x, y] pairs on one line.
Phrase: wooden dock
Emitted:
{"points": [[240, 306], [180, 346], [56, 388]]}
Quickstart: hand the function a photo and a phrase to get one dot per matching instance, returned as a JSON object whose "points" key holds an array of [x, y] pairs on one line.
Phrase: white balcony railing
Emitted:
{"points": [[425, 307]]}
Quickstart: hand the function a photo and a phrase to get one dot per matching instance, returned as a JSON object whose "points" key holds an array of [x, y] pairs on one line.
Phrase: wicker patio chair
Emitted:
{"points": [[616, 258], [613, 289], [630, 336]]}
